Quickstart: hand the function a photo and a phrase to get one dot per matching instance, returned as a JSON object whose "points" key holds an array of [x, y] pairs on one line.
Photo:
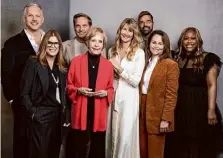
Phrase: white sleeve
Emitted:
{"points": [[134, 78]]}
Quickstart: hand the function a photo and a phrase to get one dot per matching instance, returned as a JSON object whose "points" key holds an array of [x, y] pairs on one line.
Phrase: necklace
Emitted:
{"points": [[57, 88], [93, 66]]}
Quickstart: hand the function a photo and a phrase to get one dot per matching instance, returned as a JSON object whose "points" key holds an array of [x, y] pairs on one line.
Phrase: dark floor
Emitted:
{"points": [[6, 131]]}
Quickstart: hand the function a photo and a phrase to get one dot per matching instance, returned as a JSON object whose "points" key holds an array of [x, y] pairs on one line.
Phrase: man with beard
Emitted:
{"points": [[76, 46], [145, 23], [15, 52]]}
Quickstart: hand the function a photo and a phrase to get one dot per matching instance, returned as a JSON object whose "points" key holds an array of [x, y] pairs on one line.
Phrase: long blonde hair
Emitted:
{"points": [[42, 51], [134, 45], [198, 55]]}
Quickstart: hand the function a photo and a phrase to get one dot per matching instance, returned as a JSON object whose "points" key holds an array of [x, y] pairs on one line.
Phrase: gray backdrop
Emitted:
{"points": [[56, 17], [172, 16]]}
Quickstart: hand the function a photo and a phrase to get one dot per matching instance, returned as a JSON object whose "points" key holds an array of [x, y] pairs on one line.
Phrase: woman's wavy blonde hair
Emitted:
{"points": [[59, 61], [198, 54], [134, 45]]}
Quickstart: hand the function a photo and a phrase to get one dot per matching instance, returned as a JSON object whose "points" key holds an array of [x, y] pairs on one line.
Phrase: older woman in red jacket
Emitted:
{"points": [[90, 88]]}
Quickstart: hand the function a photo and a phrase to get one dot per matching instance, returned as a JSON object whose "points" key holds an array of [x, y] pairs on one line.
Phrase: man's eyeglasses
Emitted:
{"points": [[50, 44]]}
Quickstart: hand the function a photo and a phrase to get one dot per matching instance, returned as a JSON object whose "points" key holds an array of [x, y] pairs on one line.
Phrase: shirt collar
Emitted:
{"points": [[154, 59], [32, 41], [30, 36]]}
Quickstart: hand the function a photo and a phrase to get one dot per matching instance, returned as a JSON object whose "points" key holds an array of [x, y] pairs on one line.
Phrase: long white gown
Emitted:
{"points": [[122, 136]]}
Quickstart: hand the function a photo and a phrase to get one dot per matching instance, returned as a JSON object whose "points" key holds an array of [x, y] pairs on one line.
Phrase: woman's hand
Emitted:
{"points": [[85, 91], [164, 126], [113, 61], [66, 124], [101, 93], [212, 119], [116, 65], [33, 116]]}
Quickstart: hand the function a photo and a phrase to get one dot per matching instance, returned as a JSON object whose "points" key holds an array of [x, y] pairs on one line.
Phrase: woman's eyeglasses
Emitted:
{"points": [[50, 44]]}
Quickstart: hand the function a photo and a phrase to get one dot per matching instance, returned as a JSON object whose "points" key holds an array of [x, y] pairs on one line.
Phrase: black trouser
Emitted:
{"points": [[85, 144], [45, 133], [20, 137]]}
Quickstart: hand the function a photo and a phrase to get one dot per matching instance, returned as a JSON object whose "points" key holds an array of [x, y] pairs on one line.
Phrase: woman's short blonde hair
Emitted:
{"points": [[92, 32]]}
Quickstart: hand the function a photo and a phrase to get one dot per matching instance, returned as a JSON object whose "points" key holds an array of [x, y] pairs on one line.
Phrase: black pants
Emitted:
{"points": [[20, 137], [85, 144], [45, 133]]}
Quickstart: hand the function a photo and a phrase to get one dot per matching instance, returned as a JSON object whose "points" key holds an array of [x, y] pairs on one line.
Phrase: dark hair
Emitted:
{"points": [[166, 42], [142, 13], [198, 54], [82, 15]]}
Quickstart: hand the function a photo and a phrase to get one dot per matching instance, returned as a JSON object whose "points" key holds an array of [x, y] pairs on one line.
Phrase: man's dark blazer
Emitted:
{"points": [[15, 53], [35, 84]]}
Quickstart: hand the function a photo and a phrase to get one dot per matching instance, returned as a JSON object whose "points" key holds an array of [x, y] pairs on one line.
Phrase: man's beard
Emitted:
{"points": [[147, 31]]}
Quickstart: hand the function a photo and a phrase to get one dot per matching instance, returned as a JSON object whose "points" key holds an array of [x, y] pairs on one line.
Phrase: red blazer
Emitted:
{"points": [[78, 77]]}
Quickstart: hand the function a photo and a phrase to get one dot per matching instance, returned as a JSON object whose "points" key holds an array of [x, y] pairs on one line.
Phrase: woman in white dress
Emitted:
{"points": [[128, 61]]}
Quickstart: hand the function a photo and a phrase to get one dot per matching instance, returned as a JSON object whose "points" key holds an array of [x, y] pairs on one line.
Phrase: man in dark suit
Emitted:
{"points": [[15, 52]]}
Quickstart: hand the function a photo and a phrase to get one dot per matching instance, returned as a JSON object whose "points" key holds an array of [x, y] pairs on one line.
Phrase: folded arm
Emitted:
{"points": [[135, 77]]}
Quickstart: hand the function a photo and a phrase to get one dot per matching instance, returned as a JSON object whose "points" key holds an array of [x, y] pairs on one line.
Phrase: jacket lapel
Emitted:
{"points": [[25, 43], [84, 70], [156, 71], [44, 78], [99, 85], [62, 87]]}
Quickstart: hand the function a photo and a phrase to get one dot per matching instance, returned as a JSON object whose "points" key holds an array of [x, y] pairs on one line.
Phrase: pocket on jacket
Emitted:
{"points": [[45, 114]]}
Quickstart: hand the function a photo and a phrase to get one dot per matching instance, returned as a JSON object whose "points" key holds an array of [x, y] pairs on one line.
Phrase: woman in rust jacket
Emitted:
{"points": [[158, 92], [90, 88]]}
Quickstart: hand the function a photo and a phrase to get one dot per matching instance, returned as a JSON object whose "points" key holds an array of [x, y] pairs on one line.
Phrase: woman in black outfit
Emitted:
{"points": [[43, 95], [198, 127]]}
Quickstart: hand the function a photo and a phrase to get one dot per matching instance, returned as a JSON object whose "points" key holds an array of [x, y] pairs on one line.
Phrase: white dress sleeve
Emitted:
{"points": [[134, 78]]}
